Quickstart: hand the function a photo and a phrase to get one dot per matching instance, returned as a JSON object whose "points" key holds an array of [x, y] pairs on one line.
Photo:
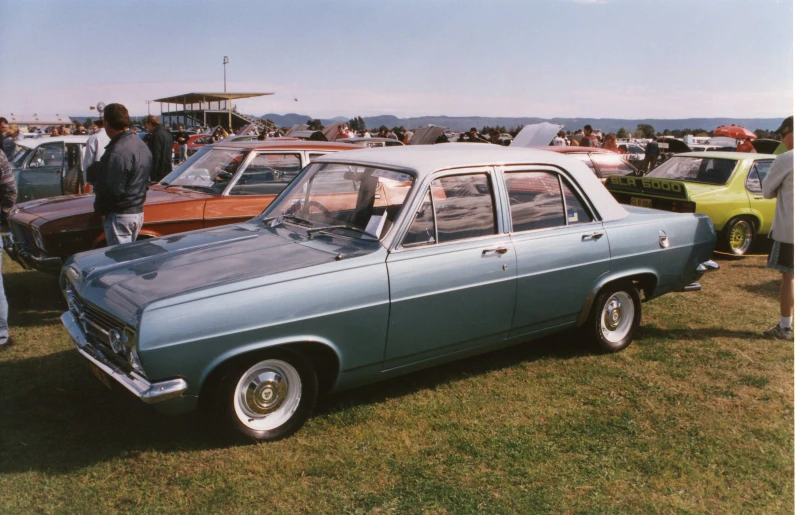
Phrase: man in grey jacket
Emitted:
{"points": [[778, 184], [121, 178]]}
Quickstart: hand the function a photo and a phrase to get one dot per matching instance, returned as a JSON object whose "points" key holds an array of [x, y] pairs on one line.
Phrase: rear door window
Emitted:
{"points": [[536, 200], [541, 200]]}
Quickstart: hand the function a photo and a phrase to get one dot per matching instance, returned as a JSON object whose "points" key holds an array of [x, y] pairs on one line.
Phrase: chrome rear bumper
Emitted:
{"points": [[701, 269], [150, 393]]}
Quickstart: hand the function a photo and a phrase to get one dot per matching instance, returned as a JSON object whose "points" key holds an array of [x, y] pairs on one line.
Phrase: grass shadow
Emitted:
{"points": [[769, 289], [58, 418], [565, 345], [34, 298], [697, 334]]}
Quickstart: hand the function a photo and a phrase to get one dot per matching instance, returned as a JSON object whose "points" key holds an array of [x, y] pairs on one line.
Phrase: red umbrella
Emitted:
{"points": [[734, 131]]}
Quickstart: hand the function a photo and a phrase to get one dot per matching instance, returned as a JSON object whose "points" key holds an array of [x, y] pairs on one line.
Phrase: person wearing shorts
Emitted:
{"points": [[778, 184]]}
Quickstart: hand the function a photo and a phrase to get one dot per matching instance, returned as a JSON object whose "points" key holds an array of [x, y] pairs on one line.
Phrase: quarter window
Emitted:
{"points": [[575, 210], [267, 174], [422, 230], [757, 175]]}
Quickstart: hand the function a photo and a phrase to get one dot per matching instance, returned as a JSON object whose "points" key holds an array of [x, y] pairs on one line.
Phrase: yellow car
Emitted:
{"points": [[726, 186]]}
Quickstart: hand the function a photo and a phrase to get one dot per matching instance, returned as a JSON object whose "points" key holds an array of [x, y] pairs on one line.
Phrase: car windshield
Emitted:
{"points": [[176, 172], [708, 170], [211, 172], [356, 201]]}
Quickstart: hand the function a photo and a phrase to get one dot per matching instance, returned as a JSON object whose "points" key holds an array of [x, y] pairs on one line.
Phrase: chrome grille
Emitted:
{"points": [[97, 323]]}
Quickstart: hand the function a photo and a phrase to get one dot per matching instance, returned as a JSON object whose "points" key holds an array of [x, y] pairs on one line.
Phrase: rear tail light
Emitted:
{"points": [[683, 206]]}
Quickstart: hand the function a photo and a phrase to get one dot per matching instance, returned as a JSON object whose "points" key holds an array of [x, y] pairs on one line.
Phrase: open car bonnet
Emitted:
{"points": [[536, 135]]}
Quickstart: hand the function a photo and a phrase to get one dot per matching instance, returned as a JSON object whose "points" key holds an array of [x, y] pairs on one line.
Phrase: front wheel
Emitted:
{"points": [[271, 397], [615, 317], [738, 236]]}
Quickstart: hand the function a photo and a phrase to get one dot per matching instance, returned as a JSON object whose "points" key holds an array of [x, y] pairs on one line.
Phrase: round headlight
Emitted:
{"points": [[37, 239], [116, 341]]}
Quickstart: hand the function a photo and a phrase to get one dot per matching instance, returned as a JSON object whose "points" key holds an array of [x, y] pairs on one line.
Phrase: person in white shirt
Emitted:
{"points": [[778, 184], [95, 147], [559, 140]]}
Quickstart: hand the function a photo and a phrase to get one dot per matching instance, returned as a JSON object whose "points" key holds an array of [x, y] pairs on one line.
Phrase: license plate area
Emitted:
{"points": [[102, 376], [640, 202]]}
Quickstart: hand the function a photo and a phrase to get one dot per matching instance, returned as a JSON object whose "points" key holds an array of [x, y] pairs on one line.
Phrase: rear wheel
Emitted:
{"points": [[269, 397], [615, 317], [738, 236]]}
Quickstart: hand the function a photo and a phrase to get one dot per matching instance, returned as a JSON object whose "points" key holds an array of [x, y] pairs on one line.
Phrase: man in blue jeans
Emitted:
{"points": [[121, 178], [8, 196]]}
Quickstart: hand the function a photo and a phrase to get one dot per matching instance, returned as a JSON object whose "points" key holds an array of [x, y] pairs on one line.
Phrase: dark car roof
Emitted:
{"points": [[287, 144]]}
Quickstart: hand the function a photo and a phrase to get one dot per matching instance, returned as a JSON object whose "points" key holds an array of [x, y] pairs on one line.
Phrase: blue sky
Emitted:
{"points": [[547, 58]]}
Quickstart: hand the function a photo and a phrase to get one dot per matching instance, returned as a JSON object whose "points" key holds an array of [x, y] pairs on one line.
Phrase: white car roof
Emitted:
{"points": [[35, 142], [424, 160]]}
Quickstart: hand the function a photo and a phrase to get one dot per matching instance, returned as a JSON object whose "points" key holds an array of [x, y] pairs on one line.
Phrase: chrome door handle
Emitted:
{"points": [[759, 196], [499, 250], [592, 236]]}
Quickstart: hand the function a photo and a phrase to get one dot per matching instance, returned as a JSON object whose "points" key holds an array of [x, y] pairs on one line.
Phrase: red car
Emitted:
{"points": [[602, 162], [222, 184]]}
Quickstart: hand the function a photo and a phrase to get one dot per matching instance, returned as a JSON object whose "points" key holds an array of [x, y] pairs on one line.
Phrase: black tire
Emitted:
{"points": [[738, 236], [610, 328], [257, 395]]}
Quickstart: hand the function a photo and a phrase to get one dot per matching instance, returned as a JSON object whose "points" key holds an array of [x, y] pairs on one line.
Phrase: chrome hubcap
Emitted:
{"points": [[612, 314], [617, 317], [740, 237], [267, 394]]}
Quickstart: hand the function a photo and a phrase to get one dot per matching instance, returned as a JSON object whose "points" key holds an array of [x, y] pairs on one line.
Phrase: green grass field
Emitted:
{"points": [[695, 416]]}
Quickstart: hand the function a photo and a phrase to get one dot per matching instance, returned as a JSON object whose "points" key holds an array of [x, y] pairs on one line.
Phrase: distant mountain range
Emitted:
{"points": [[463, 123]]}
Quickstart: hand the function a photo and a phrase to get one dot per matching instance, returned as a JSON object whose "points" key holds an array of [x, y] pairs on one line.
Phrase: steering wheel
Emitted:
{"points": [[318, 205]]}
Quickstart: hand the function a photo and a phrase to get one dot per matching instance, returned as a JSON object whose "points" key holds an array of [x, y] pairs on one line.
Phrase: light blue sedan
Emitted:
{"points": [[371, 264]]}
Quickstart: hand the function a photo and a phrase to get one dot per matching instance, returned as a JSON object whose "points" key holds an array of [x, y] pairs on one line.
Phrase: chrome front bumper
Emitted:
{"points": [[28, 260], [150, 393]]}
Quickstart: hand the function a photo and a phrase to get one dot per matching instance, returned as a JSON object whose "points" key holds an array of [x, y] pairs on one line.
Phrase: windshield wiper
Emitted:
{"points": [[298, 220], [341, 226]]}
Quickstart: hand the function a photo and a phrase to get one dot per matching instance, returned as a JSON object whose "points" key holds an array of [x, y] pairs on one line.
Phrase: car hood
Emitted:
{"points": [[125, 279], [65, 206], [536, 135]]}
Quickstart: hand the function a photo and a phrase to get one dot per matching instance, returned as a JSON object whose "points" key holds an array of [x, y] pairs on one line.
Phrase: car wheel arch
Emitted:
{"points": [[645, 280], [324, 357]]}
